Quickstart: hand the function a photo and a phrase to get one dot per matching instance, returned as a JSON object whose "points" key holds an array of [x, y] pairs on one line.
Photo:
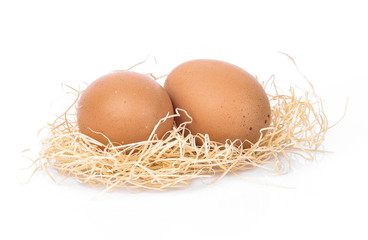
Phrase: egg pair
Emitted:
{"points": [[223, 100]]}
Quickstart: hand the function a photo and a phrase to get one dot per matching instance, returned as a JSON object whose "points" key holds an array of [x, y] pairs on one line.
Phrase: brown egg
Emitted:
{"points": [[124, 106], [224, 101]]}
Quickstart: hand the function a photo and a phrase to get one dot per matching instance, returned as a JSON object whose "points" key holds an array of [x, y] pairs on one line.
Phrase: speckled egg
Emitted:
{"points": [[123, 106], [225, 101]]}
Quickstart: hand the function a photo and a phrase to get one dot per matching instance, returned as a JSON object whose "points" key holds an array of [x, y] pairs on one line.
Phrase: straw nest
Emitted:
{"points": [[298, 126]]}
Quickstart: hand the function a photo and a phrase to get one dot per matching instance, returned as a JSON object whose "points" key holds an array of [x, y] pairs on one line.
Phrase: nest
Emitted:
{"points": [[298, 127]]}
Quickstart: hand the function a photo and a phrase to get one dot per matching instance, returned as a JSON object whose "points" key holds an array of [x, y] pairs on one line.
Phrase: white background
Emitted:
{"points": [[46, 43]]}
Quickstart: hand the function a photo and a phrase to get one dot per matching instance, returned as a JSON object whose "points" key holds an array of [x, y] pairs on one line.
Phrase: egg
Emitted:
{"points": [[224, 101], [124, 106]]}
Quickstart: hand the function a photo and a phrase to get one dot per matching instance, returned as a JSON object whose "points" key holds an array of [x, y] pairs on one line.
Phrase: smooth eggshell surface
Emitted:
{"points": [[124, 106], [224, 101]]}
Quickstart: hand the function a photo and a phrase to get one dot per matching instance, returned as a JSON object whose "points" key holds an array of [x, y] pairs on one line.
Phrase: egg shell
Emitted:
{"points": [[225, 101], [124, 106]]}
